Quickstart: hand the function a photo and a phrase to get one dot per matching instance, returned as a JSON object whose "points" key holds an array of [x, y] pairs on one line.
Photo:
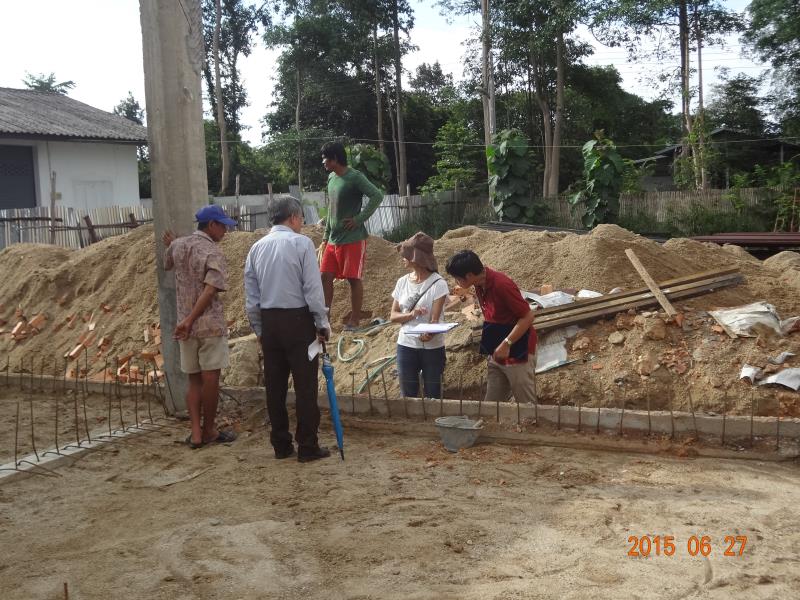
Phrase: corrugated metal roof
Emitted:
{"points": [[33, 113]]}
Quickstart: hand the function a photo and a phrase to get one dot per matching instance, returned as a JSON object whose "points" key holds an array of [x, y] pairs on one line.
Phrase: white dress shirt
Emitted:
{"points": [[281, 271]]}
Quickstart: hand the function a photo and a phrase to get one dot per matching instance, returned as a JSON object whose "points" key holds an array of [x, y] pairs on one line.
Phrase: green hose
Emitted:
{"points": [[371, 376], [350, 357]]}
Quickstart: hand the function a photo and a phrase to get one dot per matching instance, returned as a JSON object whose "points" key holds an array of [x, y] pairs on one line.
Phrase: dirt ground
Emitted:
{"points": [[400, 518]]}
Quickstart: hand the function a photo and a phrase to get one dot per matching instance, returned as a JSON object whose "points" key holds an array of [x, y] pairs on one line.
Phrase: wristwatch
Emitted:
{"points": [[508, 341]]}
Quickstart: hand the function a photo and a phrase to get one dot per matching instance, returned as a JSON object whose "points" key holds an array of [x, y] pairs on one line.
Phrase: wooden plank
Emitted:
{"points": [[645, 294], [685, 291], [651, 284], [586, 302]]}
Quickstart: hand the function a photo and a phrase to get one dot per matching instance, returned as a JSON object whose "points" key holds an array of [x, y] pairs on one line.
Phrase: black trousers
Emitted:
{"points": [[285, 336]]}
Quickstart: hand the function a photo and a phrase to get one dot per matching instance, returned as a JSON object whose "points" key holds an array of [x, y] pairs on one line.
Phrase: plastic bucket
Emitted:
{"points": [[458, 432]]}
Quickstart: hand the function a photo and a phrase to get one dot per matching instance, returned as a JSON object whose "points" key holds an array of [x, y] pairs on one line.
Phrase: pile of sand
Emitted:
{"points": [[120, 273]]}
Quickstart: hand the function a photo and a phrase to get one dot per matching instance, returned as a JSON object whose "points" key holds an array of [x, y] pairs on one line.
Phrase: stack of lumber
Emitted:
{"points": [[590, 309]]}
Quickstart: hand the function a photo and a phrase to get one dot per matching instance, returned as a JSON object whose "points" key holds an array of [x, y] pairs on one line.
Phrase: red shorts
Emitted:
{"points": [[345, 261]]}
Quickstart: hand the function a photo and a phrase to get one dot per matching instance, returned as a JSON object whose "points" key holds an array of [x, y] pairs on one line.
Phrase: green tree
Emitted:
{"points": [[774, 33], [735, 103], [604, 175], [431, 81], [130, 108], [509, 177], [459, 156], [47, 83]]}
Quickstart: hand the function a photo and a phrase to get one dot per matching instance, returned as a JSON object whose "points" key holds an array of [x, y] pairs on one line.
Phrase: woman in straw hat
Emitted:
{"points": [[419, 297]]}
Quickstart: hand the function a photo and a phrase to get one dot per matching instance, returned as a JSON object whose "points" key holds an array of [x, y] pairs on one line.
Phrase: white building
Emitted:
{"points": [[91, 152]]}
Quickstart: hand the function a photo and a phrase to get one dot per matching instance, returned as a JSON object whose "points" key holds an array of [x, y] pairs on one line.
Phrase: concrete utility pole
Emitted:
{"points": [[172, 40]]}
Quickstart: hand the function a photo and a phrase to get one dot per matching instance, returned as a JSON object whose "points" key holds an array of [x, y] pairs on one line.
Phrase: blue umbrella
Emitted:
{"points": [[327, 370]]}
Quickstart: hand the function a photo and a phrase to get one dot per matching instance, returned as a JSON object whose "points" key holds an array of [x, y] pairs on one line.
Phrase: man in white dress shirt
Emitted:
{"points": [[286, 308]]}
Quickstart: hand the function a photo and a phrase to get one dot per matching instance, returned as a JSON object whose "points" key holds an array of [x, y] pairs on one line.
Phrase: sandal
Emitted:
{"points": [[224, 437], [194, 446]]}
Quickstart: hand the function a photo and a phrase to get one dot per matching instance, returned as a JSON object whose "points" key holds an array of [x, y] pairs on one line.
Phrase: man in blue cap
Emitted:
{"points": [[202, 333]]}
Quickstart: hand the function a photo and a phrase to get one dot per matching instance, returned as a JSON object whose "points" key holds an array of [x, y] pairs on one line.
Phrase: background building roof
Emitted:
{"points": [[29, 113]]}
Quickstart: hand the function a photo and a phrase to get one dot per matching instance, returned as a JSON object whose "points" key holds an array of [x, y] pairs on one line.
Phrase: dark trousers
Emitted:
{"points": [[410, 361], [285, 336]]}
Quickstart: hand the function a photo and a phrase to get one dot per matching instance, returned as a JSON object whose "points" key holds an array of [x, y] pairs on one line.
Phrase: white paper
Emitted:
{"points": [[750, 372], [781, 358], [556, 298], [432, 328], [741, 319], [314, 348], [588, 294]]}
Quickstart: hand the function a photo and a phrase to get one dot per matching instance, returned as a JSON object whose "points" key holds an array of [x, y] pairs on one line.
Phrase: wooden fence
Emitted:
{"points": [[68, 227], [668, 209]]}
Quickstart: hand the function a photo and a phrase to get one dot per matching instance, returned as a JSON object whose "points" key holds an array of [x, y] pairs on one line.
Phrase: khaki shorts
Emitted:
{"points": [[203, 354]]}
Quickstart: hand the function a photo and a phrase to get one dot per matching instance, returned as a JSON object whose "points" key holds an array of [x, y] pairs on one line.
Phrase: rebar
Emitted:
{"points": [[41, 376], [441, 395], [33, 437], [579, 413], [649, 419], [558, 410], [55, 434], [55, 373], [21, 375], [422, 395], [32, 369], [480, 396], [86, 421], [724, 413], [671, 417], [353, 394], [622, 413], [461, 394], [694, 417], [85, 371], [386, 395], [369, 393], [497, 410]]}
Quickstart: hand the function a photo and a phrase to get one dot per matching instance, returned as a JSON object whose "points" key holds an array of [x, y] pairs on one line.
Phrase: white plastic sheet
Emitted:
{"points": [[788, 378]]}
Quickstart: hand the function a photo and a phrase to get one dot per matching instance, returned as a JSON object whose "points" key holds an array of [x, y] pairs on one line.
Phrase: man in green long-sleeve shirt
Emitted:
{"points": [[344, 243]]}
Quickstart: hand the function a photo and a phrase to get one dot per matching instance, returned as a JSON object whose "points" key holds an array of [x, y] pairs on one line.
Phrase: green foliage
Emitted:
{"points": [[779, 184], [458, 153], [736, 103], [371, 162], [509, 176], [47, 83], [130, 109], [603, 171]]}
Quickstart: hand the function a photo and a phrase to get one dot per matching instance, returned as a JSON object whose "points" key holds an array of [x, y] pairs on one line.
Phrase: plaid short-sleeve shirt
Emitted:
{"points": [[197, 261]]}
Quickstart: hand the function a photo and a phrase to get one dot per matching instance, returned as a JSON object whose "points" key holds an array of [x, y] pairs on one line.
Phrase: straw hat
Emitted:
{"points": [[418, 249]]}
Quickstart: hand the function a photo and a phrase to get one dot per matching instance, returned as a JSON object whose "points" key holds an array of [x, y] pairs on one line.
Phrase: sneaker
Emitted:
{"points": [[313, 455]]}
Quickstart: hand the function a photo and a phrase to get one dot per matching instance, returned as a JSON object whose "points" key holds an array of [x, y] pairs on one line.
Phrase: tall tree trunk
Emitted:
{"points": [[687, 149], [700, 120], [487, 77], [402, 178], [555, 150], [297, 131], [394, 138], [378, 93], [223, 130]]}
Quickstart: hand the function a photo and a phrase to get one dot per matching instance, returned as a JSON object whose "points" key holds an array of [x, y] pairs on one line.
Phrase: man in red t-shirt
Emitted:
{"points": [[508, 336]]}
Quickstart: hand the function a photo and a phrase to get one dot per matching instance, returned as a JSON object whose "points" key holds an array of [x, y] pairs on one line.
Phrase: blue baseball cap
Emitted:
{"points": [[214, 212]]}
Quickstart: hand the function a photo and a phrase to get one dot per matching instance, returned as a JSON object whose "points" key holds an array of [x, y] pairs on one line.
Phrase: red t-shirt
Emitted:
{"points": [[502, 302]]}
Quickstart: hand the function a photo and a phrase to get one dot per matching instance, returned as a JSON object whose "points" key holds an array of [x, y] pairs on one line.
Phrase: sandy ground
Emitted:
{"points": [[400, 518]]}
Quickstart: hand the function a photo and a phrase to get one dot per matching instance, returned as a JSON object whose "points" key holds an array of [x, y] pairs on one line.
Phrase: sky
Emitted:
{"points": [[98, 45]]}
